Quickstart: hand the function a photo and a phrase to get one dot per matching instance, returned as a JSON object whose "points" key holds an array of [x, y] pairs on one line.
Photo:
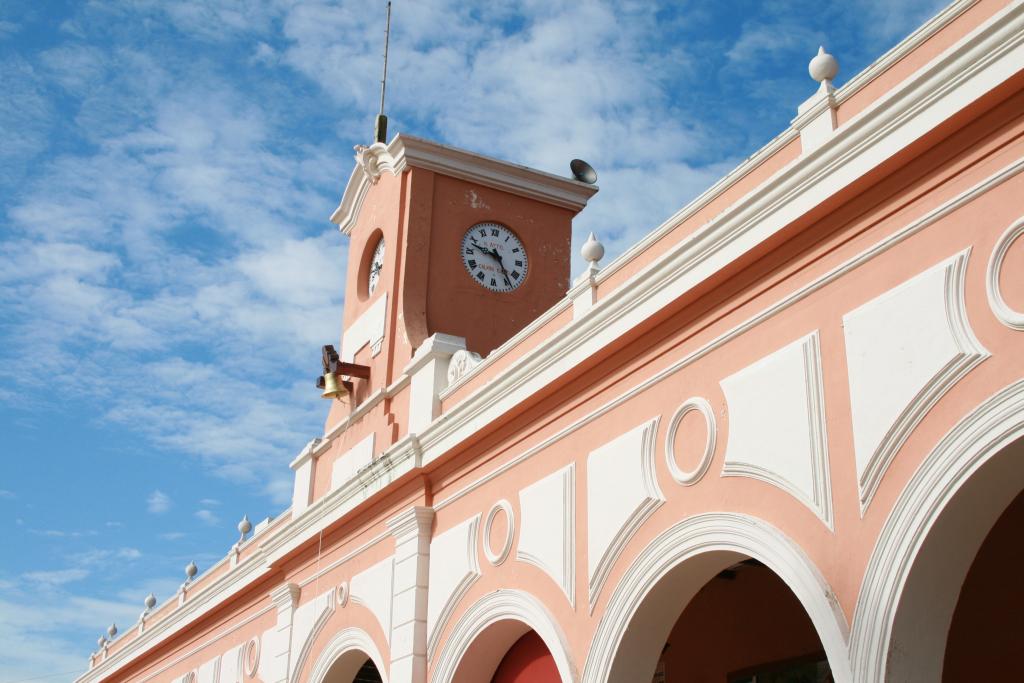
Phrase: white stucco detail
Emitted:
{"points": [[208, 672], [366, 329], [353, 460], [547, 536], [777, 426], [622, 492], [231, 665], [1008, 316], [453, 569], [372, 589], [306, 622], [429, 372], [904, 350]]}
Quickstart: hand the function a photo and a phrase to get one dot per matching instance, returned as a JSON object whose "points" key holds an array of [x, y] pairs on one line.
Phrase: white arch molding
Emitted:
{"points": [[937, 524], [1006, 315], [350, 648], [644, 607], [485, 632]]}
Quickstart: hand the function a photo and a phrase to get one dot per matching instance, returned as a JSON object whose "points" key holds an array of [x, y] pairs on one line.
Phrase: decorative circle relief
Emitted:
{"points": [[1009, 317], [691, 477], [497, 558], [342, 593], [251, 657]]}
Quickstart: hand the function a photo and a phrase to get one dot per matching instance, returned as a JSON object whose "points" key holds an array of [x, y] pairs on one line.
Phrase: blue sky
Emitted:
{"points": [[168, 273]]}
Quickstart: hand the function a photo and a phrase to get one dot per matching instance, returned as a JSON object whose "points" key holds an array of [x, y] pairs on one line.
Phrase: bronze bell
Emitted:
{"points": [[333, 386]]}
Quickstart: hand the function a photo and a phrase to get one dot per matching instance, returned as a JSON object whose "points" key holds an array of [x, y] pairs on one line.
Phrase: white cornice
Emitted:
{"points": [[849, 89], [406, 150], [974, 66]]}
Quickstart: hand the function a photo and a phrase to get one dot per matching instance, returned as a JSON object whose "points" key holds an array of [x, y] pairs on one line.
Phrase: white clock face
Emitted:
{"points": [[494, 257], [376, 264]]}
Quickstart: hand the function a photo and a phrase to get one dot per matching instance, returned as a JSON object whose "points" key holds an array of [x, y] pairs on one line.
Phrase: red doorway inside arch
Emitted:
{"points": [[527, 661]]}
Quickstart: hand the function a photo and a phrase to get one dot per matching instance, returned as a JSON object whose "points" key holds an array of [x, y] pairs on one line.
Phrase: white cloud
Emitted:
{"points": [[158, 502], [59, 577], [207, 517], [5, 494]]}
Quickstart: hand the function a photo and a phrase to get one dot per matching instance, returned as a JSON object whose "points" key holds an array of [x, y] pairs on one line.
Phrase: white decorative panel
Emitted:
{"points": [[904, 350], [231, 665], [622, 492], [372, 589], [777, 424], [453, 569], [207, 673], [353, 460], [366, 329], [306, 622], [271, 667], [547, 536]]}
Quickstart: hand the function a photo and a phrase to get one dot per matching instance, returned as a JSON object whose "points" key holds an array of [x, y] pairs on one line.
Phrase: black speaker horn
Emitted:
{"points": [[583, 172]]}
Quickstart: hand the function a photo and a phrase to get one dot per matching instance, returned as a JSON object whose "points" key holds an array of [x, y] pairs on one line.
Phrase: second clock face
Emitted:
{"points": [[494, 257]]}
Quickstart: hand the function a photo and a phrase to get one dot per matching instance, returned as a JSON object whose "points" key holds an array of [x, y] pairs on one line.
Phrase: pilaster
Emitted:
{"points": [[428, 370], [411, 531]]}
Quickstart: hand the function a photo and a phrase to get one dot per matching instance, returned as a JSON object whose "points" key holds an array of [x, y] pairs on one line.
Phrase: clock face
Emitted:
{"points": [[494, 257], [376, 264]]}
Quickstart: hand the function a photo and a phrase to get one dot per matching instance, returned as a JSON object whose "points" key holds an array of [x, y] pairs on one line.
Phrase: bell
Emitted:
{"points": [[333, 387]]}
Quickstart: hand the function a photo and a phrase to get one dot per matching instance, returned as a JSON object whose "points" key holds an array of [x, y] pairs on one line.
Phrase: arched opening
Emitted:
{"points": [[744, 626], [507, 636], [988, 622], [959, 605], [353, 667], [732, 598], [527, 661]]}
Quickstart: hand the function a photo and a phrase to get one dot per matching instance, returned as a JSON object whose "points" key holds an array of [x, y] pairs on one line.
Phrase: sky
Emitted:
{"points": [[168, 272]]}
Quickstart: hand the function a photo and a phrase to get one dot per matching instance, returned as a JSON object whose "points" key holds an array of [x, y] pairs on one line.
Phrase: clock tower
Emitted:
{"points": [[444, 241]]}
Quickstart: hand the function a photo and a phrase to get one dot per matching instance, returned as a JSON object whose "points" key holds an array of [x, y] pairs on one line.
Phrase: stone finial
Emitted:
{"points": [[101, 642], [245, 526], [592, 251], [150, 601], [190, 571], [823, 67], [112, 631]]}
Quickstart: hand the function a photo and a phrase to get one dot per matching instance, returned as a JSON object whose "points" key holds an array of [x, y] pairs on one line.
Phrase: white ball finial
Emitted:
{"points": [[191, 570], [100, 642], [592, 251], [245, 526], [823, 67], [112, 630], [150, 601]]}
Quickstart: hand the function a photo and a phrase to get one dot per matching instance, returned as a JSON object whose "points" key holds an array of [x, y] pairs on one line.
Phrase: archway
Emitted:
{"points": [[932, 539], [504, 624], [678, 571], [351, 657]]}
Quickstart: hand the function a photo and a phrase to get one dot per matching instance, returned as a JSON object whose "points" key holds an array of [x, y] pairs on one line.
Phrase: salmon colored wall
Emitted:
{"points": [[455, 303], [987, 632], [735, 624], [527, 661]]}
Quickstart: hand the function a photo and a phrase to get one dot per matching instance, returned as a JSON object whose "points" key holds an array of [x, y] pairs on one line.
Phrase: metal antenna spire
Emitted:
{"points": [[380, 132]]}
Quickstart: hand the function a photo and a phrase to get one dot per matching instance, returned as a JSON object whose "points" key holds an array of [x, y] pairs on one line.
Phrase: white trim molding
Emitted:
{"points": [[349, 640], [496, 558], [691, 477], [904, 350], [406, 150], [777, 424], [547, 533], [622, 493], [706, 543], [980, 435], [507, 614], [1006, 315], [454, 567]]}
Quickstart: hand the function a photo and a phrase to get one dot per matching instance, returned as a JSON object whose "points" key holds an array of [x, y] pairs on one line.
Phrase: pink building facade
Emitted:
{"points": [[779, 439]]}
